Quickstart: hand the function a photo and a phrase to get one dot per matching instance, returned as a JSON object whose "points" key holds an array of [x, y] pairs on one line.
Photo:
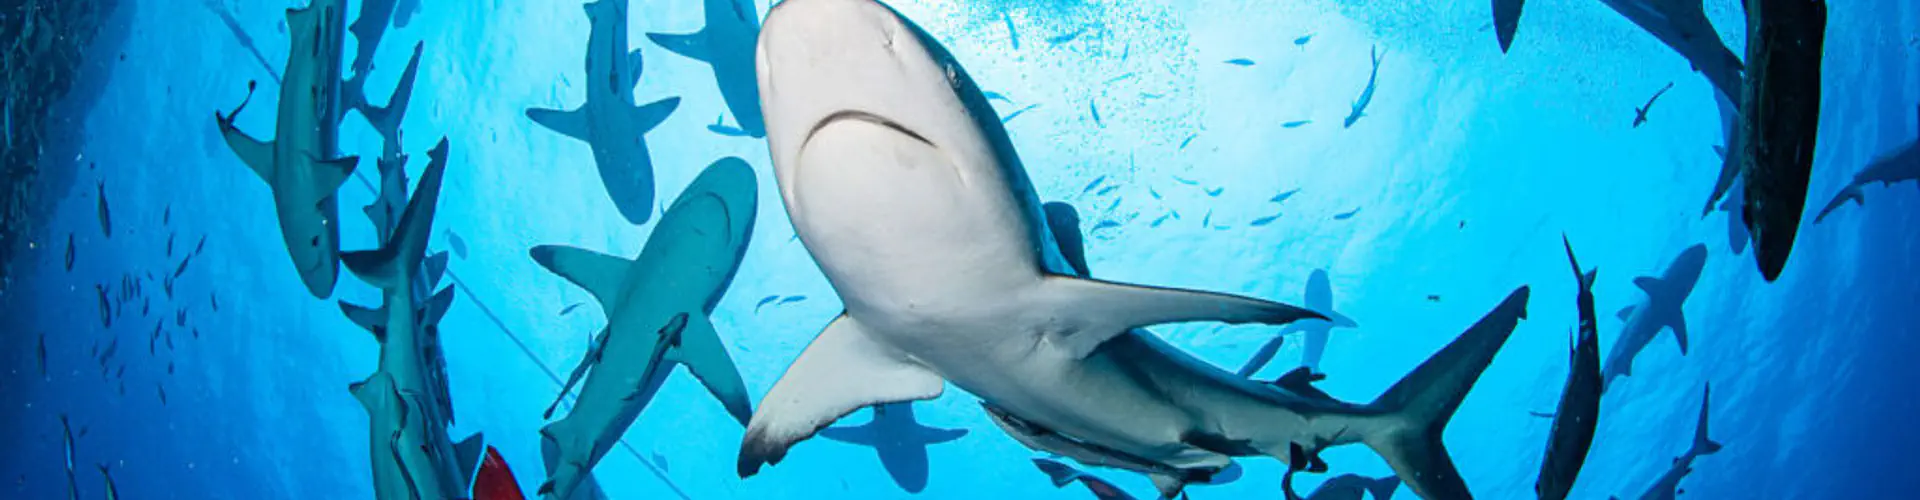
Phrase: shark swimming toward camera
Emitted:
{"points": [[900, 441], [609, 121], [1902, 164], [1668, 486], [1779, 123], [1319, 298], [657, 317], [726, 43], [407, 408], [1660, 311], [301, 164], [876, 131]]}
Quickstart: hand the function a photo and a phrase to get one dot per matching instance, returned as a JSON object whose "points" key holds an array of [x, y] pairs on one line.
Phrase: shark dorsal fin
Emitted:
{"points": [[436, 307]]}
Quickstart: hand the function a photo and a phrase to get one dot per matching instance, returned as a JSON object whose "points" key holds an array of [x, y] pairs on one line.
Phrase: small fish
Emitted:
{"points": [[1161, 220], [1060, 39], [1264, 220], [1012, 35], [1104, 224], [1152, 192], [1189, 140], [1302, 41], [1096, 183], [166, 285], [1115, 204], [790, 300], [1207, 221], [180, 318], [720, 126], [213, 300], [182, 269], [459, 246], [1118, 79], [169, 367], [69, 251], [1240, 62], [196, 332], [106, 309], [1175, 213], [106, 216], [1282, 197], [1094, 107], [1151, 96], [1215, 192], [1296, 123], [1433, 298], [166, 215], [1017, 113], [163, 394], [763, 302], [1463, 223], [1107, 190], [1346, 215], [201, 246], [146, 305], [41, 354], [1186, 181], [570, 308], [660, 461], [169, 245], [996, 96]]}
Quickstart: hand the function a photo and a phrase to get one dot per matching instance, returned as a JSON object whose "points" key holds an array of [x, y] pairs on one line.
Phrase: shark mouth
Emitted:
{"points": [[863, 116]]}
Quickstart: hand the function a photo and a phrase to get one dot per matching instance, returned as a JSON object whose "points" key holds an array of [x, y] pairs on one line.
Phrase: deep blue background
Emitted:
{"points": [[1812, 375]]}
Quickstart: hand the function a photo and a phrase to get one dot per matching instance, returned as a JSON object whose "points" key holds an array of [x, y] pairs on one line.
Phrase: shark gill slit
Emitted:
{"points": [[528, 352]]}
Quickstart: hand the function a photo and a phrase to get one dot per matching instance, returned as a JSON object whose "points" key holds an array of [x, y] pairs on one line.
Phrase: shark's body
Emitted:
{"points": [[1668, 486], [1899, 165], [1319, 298], [683, 271], [726, 43], [300, 164], [876, 132], [406, 398], [1640, 113], [1660, 311], [900, 441], [1366, 96], [1683, 27], [1506, 21], [1779, 122], [609, 121], [1578, 415]]}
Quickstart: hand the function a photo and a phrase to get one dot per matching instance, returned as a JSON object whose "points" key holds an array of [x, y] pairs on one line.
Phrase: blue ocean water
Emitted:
{"points": [[1453, 188]]}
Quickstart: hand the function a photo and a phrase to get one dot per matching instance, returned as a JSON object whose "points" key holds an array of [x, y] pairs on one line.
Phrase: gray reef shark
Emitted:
{"points": [[1893, 167], [1366, 96], [301, 164], [726, 43], [1683, 27], [1579, 412], [876, 132], [1779, 122], [405, 398], [1660, 311], [900, 441], [657, 317], [1668, 486], [609, 121], [1319, 298]]}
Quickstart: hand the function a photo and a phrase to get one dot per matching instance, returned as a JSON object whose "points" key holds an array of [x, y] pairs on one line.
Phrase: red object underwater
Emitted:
{"points": [[495, 481]]}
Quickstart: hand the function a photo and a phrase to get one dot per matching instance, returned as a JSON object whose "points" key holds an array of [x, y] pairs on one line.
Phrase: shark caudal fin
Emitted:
{"points": [[1382, 488], [407, 248], [1850, 193], [386, 119], [568, 476], [1702, 444], [1420, 404]]}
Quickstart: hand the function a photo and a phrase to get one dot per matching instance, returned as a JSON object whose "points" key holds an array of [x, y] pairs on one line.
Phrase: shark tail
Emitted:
{"points": [[1382, 488], [1850, 193], [1703, 445], [386, 119], [1417, 408]]}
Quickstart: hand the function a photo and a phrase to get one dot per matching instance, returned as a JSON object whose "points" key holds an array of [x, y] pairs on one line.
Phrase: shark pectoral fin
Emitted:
{"points": [[600, 274], [843, 370], [436, 307], [256, 153], [691, 45], [1095, 311], [568, 123], [702, 352], [1679, 325], [648, 116], [435, 267], [1624, 313], [466, 456], [1340, 320], [862, 435], [1169, 485], [329, 175], [370, 319], [1648, 284], [937, 436]]}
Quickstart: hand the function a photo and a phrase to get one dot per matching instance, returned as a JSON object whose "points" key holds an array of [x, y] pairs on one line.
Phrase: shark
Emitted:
{"points": [[408, 414], [1640, 113], [1319, 298], [1351, 487], [1902, 164], [726, 44], [1506, 21], [1668, 486], [876, 131], [1683, 27], [1366, 96], [301, 164], [658, 307], [609, 121], [1579, 412], [1779, 123], [1660, 311], [900, 441], [1062, 475]]}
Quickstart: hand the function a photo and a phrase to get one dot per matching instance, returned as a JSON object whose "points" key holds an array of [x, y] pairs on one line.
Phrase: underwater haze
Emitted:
{"points": [[1213, 145]]}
